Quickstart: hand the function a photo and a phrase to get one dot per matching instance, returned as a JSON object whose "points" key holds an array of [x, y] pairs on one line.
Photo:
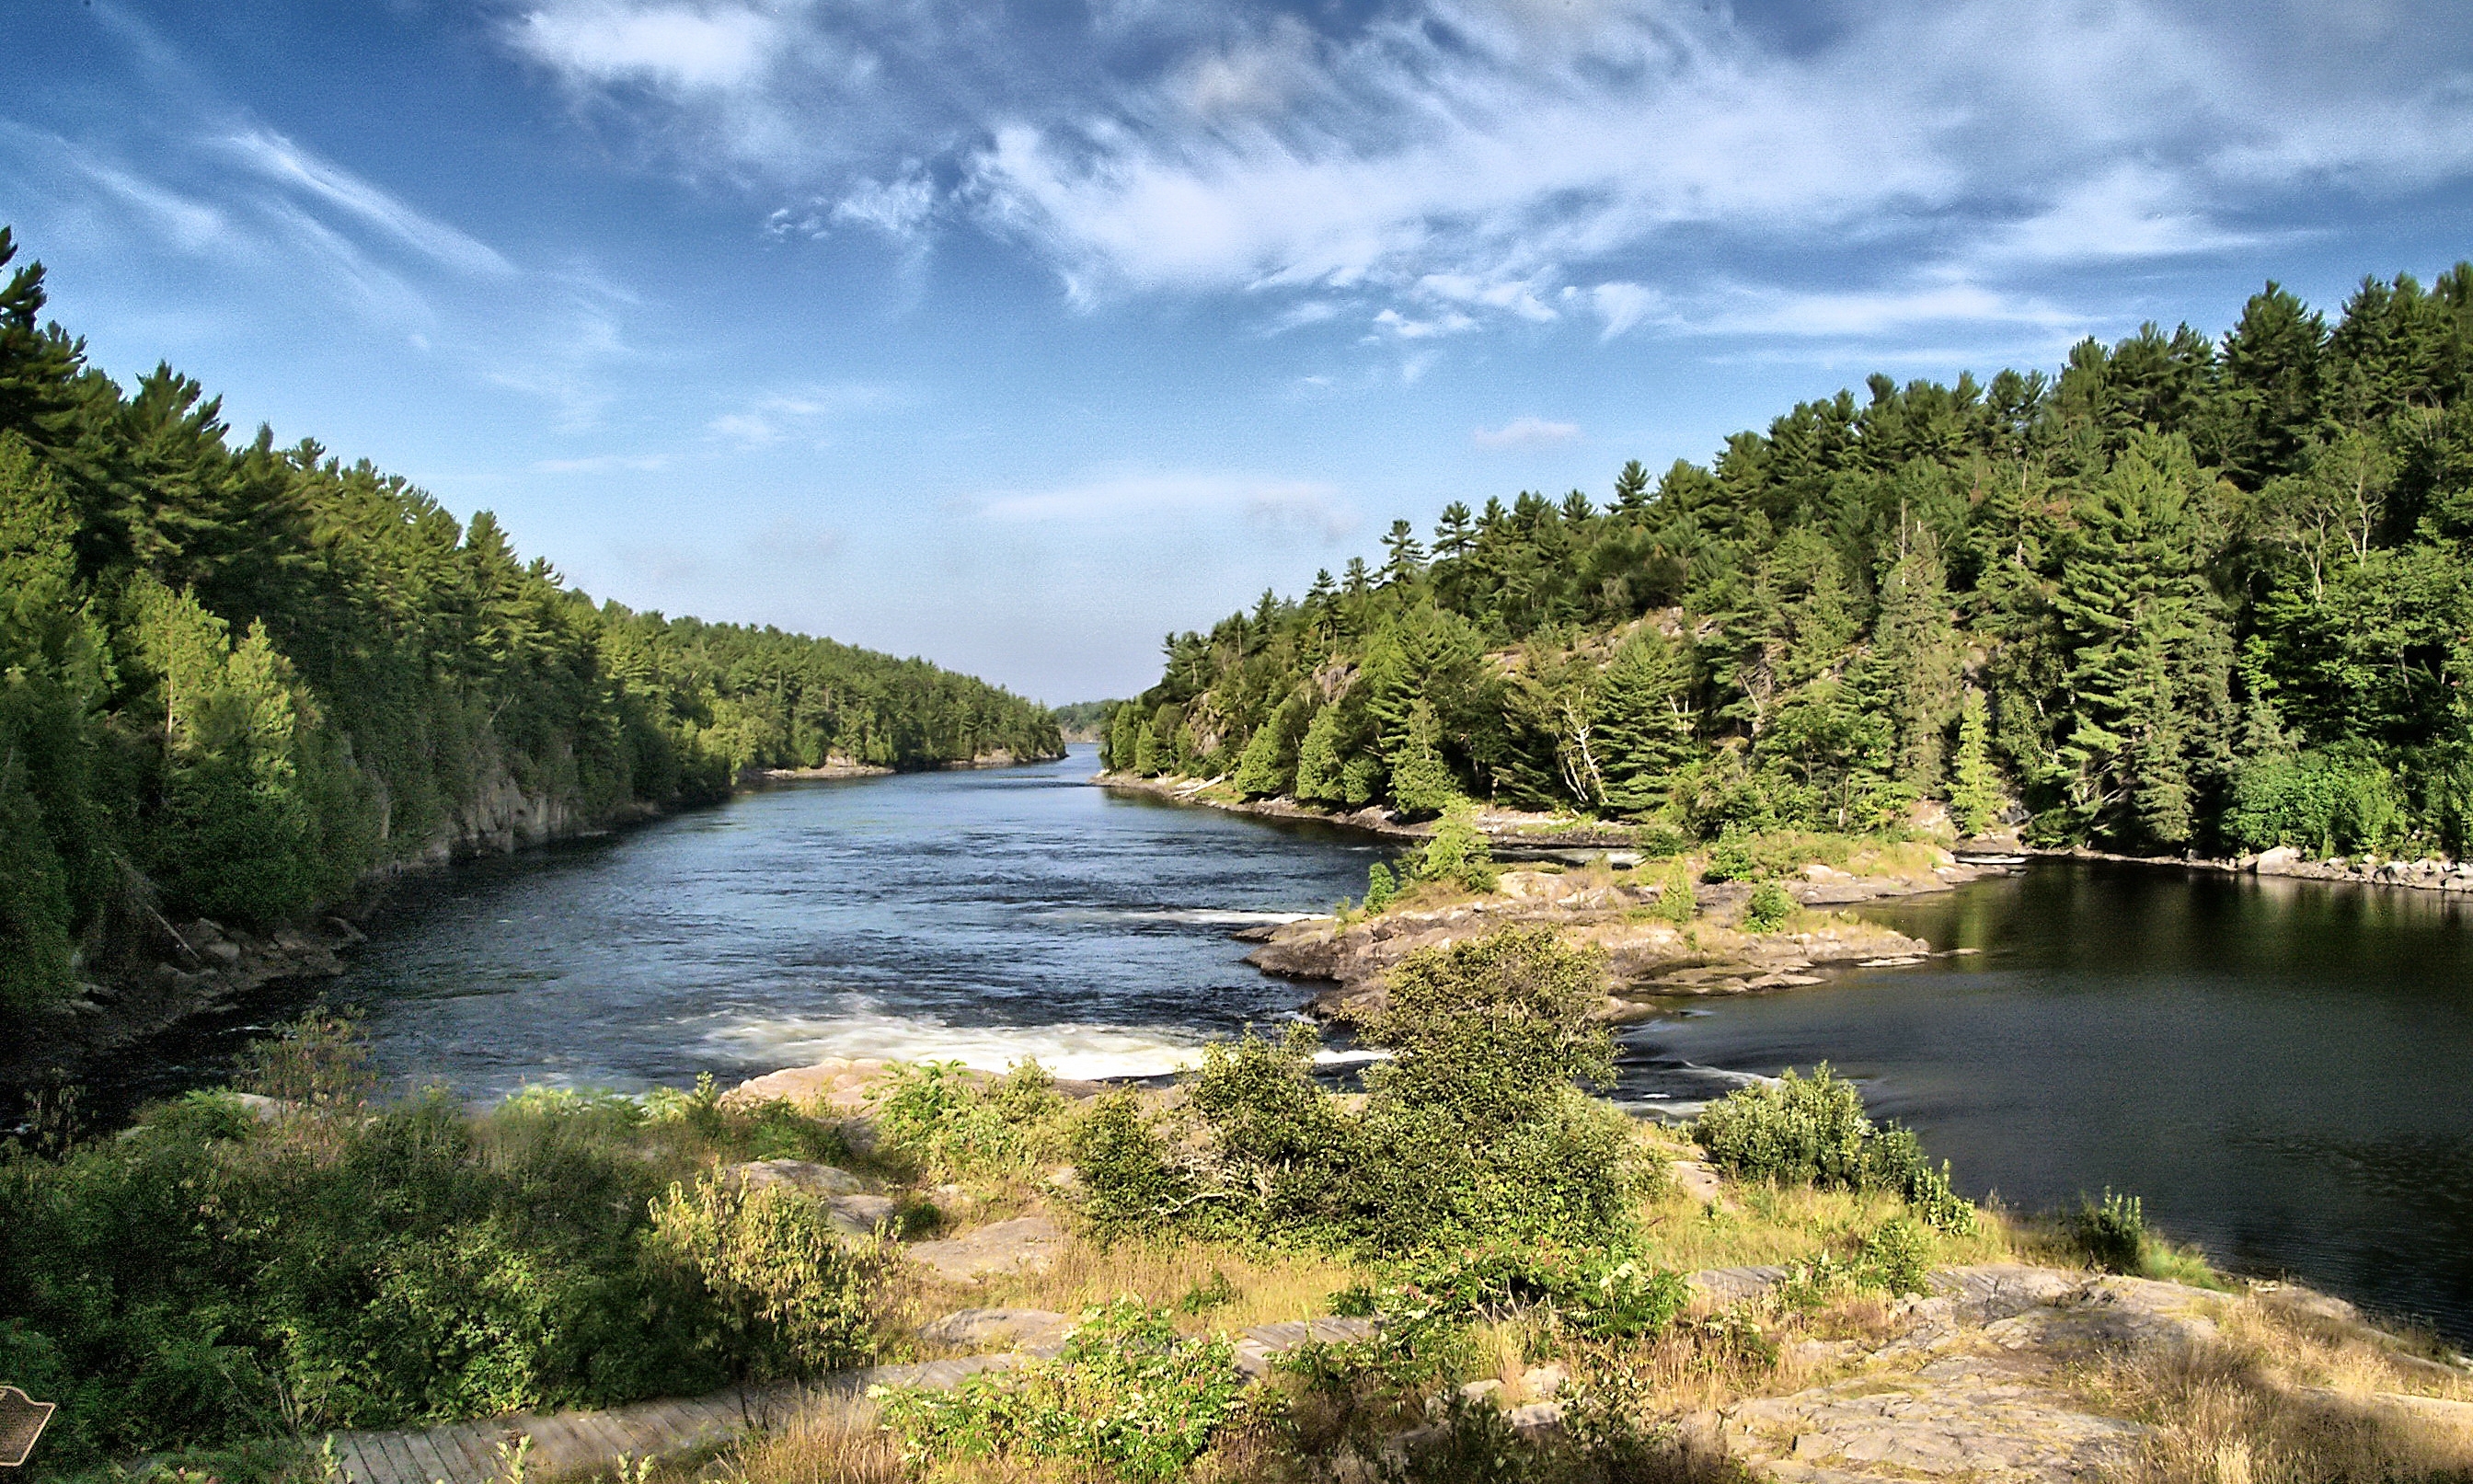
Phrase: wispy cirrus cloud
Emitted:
{"points": [[1525, 433], [773, 417], [1312, 506], [1506, 162]]}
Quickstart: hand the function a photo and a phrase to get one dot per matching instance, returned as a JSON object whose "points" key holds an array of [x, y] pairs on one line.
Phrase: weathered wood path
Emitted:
{"points": [[583, 1443]]}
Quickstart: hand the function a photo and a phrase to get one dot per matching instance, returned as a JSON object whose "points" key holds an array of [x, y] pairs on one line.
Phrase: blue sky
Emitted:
{"points": [[1016, 335]]}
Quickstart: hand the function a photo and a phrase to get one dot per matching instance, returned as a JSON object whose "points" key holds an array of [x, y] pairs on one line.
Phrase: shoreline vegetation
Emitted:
{"points": [[1522, 1285], [2188, 597], [240, 683]]}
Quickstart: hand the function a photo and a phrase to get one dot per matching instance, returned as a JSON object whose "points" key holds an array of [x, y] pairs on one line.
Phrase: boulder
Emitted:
{"points": [[858, 1214], [2277, 862], [993, 1329], [819, 1179], [1025, 1244]]}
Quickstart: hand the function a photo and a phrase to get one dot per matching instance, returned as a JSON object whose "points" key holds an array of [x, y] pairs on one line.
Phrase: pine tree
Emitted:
{"points": [[1644, 727], [1975, 793]]}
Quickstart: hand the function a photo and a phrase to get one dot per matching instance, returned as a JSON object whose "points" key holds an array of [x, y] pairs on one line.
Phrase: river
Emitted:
{"points": [[2282, 1070]]}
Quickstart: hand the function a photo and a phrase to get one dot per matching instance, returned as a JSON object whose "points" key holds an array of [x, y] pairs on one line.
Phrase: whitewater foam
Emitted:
{"points": [[1207, 917], [1068, 1050]]}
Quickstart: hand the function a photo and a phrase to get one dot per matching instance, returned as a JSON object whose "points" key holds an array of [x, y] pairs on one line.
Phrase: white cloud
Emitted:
{"points": [[1466, 158], [1768, 312], [897, 208], [1621, 305], [1525, 433], [602, 463], [687, 46], [278, 159], [1310, 505], [800, 411]]}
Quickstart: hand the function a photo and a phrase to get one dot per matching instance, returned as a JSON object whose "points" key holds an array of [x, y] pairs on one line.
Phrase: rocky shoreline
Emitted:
{"points": [[1647, 958]]}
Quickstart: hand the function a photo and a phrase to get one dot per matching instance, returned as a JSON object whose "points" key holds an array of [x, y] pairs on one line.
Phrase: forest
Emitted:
{"points": [[235, 680], [2187, 594]]}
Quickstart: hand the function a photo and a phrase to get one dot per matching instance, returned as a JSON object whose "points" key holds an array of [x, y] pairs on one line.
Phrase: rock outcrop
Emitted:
{"points": [[1644, 956]]}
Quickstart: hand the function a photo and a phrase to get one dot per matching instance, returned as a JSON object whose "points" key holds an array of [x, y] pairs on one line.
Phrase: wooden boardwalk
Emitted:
{"points": [[577, 1445], [582, 1444]]}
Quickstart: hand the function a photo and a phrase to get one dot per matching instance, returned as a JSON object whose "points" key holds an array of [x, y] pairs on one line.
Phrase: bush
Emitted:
{"points": [[1128, 1395], [1472, 1133], [1768, 909], [1897, 1255], [2321, 803], [936, 1115], [205, 1277], [1677, 902], [1379, 887], [1814, 1131], [1456, 854], [2111, 1235], [1731, 858]]}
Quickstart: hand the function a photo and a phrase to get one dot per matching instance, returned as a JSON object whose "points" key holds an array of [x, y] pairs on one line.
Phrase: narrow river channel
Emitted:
{"points": [[2283, 1071]]}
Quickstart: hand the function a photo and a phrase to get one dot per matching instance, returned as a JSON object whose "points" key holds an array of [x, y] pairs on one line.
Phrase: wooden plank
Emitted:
{"points": [[402, 1469], [351, 1451], [432, 1467], [466, 1448]]}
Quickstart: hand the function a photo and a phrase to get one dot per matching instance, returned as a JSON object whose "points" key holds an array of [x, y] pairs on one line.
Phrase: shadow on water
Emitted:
{"points": [[2283, 1069]]}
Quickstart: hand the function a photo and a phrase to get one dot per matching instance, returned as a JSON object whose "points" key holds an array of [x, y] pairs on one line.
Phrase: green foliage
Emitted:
{"points": [[1457, 853], [1768, 909], [234, 679], [1975, 795], [792, 1294], [1814, 1131], [2324, 804], [1128, 1397], [1731, 858], [1472, 1133], [2127, 594], [2111, 1235], [1379, 887], [209, 1277], [1676, 901], [1897, 1255]]}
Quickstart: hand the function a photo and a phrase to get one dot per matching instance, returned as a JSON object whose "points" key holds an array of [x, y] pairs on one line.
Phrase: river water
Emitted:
{"points": [[2282, 1070]]}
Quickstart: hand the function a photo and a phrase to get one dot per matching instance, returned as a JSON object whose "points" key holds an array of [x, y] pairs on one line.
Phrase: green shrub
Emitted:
{"points": [[1379, 887], [1457, 853], [1897, 1255], [2112, 1235], [1731, 858], [936, 1115], [2321, 803], [794, 1295], [1128, 1182], [1676, 901], [1768, 909], [1814, 1131], [1127, 1396], [1473, 1132]]}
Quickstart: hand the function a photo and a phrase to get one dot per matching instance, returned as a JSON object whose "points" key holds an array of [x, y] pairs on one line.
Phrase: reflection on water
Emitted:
{"points": [[2282, 1069]]}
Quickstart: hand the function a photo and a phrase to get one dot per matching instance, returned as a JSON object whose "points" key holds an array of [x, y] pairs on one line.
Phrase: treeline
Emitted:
{"points": [[238, 678], [2186, 594]]}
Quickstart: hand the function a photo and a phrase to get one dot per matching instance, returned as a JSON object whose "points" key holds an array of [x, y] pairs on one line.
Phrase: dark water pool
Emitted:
{"points": [[2282, 1070]]}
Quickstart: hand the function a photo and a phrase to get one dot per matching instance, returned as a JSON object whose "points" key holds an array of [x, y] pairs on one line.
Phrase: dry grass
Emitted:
{"points": [[1232, 1286], [2287, 1396]]}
